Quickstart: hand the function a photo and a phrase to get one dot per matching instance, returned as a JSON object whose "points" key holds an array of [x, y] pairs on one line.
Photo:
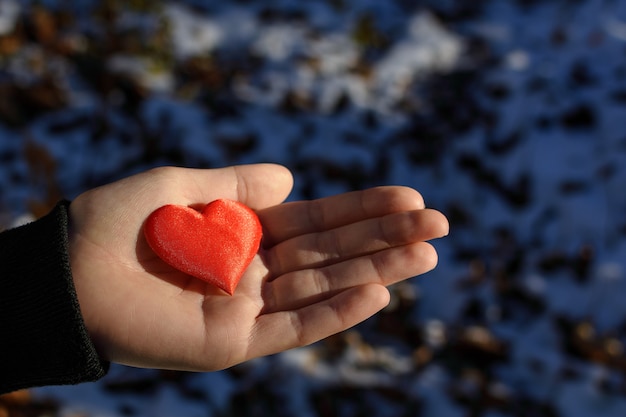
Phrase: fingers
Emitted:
{"points": [[368, 236], [288, 329], [296, 218], [297, 289]]}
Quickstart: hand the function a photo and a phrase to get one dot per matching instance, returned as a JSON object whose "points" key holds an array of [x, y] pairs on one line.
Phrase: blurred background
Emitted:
{"points": [[507, 115]]}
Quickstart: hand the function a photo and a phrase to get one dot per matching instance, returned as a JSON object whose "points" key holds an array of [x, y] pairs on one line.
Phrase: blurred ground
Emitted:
{"points": [[506, 115]]}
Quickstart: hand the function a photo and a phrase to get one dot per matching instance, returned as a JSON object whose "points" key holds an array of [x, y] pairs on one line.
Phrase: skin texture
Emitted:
{"points": [[323, 266]]}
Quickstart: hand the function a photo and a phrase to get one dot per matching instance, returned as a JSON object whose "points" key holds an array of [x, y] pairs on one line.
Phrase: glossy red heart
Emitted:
{"points": [[215, 245]]}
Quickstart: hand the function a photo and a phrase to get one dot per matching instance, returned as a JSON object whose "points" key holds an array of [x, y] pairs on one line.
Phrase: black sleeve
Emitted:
{"points": [[43, 339]]}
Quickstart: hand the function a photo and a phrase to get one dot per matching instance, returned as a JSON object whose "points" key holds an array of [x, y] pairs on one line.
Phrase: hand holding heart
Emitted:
{"points": [[322, 267]]}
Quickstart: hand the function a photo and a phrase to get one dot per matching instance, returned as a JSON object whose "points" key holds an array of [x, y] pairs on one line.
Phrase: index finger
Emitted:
{"points": [[288, 220]]}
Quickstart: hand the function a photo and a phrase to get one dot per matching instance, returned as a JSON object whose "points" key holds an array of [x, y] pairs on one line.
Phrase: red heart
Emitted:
{"points": [[215, 245]]}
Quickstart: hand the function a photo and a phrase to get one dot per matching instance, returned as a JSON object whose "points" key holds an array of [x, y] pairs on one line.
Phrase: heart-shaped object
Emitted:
{"points": [[215, 245]]}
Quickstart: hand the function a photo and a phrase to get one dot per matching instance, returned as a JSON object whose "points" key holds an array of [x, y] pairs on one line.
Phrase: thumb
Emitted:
{"points": [[262, 185], [256, 185]]}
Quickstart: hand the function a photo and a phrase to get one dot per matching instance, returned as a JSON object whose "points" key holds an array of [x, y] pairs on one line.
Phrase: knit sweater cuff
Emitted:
{"points": [[43, 337]]}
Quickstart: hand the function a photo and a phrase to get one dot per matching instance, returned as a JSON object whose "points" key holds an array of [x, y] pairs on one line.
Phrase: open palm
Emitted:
{"points": [[322, 268]]}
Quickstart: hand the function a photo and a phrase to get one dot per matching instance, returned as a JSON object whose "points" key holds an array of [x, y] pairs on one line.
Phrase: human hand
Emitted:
{"points": [[322, 268]]}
